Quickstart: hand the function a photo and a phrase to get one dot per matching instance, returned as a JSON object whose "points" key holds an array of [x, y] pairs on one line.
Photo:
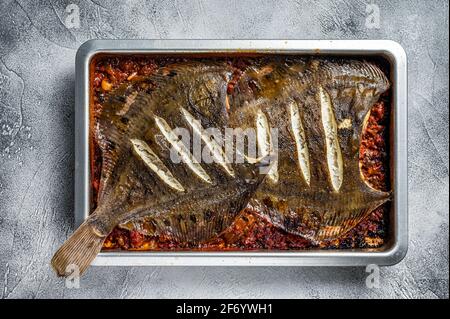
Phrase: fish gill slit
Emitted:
{"points": [[265, 145], [215, 149], [144, 152], [333, 148], [300, 142], [181, 149]]}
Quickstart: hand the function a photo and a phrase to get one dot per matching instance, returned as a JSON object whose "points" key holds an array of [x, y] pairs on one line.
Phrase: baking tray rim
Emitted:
{"points": [[391, 50]]}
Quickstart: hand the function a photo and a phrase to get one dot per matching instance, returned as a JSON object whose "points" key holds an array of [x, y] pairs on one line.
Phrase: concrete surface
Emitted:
{"points": [[37, 54]]}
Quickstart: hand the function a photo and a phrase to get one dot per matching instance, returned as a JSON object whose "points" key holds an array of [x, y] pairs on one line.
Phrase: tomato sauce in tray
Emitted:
{"points": [[249, 231]]}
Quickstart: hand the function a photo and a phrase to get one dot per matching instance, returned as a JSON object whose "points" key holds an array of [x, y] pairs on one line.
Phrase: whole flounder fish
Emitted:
{"points": [[315, 189], [319, 108], [188, 200]]}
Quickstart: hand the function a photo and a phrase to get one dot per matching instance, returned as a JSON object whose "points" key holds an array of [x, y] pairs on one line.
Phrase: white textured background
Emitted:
{"points": [[37, 54]]}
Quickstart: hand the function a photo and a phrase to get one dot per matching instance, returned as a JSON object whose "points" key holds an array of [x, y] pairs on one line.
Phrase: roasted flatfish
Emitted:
{"points": [[315, 188], [189, 200], [319, 107]]}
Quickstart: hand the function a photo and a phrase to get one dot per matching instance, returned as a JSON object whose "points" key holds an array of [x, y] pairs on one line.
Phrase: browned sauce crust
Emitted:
{"points": [[249, 231]]}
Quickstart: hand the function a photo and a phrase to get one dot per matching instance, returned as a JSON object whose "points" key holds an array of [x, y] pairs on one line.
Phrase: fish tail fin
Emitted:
{"points": [[79, 250]]}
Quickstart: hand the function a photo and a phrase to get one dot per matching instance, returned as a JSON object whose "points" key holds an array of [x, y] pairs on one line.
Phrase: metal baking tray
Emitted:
{"points": [[395, 247]]}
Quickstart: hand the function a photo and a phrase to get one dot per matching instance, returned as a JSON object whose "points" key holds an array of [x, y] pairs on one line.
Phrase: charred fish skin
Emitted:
{"points": [[195, 89], [140, 178], [330, 99], [141, 191], [199, 87]]}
